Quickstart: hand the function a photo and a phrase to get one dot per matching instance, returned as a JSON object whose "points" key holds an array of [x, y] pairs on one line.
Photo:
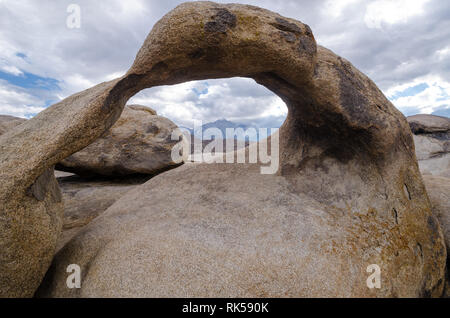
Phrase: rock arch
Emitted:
{"points": [[343, 144]]}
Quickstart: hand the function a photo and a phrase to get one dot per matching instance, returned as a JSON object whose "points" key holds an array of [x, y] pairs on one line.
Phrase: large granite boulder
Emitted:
{"points": [[432, 140], [140, 142], [348, 193], [31, 209], [9, 122]]}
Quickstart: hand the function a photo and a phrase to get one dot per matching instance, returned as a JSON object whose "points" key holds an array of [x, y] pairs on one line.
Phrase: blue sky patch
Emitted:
{"points": [[21, 55], [411, 91], [30, 115], [443, 111], [203, 92], [28, 80]]}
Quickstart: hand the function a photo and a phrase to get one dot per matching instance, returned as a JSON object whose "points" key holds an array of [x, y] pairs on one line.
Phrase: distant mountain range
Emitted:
{"points": [[221, 125]]}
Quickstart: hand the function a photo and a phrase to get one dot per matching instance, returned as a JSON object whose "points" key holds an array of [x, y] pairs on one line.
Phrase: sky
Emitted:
{"points": [[403, 45]]}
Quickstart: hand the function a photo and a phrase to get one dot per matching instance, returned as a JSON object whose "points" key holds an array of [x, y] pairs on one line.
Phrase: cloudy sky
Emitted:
{"points": [[403, 45]]}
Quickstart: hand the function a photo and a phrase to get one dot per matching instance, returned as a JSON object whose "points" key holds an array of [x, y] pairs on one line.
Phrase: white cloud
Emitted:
{"points": [[133, 7], [17, 102], [9, 61], [414, 49], [237, 99], [77, 82], [335, 8], [443, 53], [175, 102], [11, 70], [392, 11], [436, 95]]}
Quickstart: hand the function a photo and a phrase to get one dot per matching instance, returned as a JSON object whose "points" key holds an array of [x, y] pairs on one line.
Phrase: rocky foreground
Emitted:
{"points": [[432, 141], [348, 192]]}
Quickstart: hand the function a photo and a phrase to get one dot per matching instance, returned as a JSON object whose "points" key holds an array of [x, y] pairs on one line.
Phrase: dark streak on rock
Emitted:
{"points": [[395, 213], [407, 192], [287, 26], [429, 292], [308, 30], [197, 54], [222, 21], [152, 130], [426, 292], [352, 98], [307, 45], [420, 251], [289, 37], [432, 224]]}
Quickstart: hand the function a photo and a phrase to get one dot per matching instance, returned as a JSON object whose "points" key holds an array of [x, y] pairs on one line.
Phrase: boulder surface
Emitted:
{"points": [[438, 189], [428, 124], [139, 143], [348, 193], [31, 209], [432, 141], [9, 122], [439, 192], [86, 199]]}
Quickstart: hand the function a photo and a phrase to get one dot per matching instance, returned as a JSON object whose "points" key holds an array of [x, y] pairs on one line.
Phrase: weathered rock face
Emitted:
{"points": [[438, 189], [30, 223], [30, 232], [432, 140], [428, 124], [348, 193], [9, 122], [86, 199], [31, 210], [139, 143]]}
